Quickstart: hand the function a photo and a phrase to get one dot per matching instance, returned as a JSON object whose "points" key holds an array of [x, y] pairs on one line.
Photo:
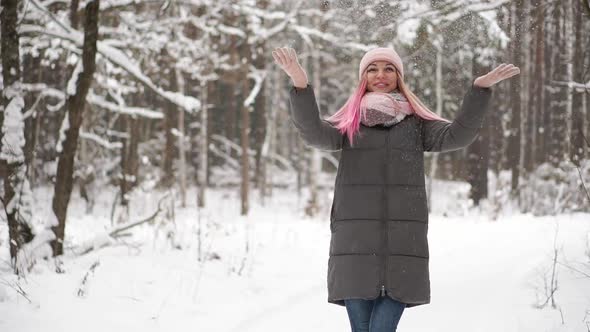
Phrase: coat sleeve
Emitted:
{"points": [[305, 115], [441, 136]]}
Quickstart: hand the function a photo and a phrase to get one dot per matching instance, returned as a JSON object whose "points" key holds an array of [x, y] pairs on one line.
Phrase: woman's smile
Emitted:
{"points": [[381, 77]]}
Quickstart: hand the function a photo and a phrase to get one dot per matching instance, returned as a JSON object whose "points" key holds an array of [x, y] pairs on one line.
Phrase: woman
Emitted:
{"points": [[378, 263]]}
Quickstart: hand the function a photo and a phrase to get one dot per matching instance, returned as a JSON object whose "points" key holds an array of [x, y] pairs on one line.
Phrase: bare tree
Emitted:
{"points": [[313, 155], [203, 146], [245, 130], [12, 167], [558, 102], [169, 122], [579, 116], [516, 19], [181, 141], [260, 111], [129, 163], [73, 117], [537, 95]]}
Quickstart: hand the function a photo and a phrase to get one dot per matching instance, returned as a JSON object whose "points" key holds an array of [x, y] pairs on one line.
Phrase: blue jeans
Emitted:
{"points": [[379, 315]]}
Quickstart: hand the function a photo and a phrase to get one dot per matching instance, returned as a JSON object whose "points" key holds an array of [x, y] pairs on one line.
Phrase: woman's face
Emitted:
{"points": [[381, 77]]}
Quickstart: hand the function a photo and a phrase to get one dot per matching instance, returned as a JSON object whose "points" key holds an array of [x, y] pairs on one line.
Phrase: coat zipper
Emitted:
{"points": [[384, 216]]}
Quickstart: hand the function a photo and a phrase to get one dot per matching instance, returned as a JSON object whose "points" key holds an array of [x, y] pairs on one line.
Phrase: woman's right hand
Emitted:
{"points": [[287, 59]]}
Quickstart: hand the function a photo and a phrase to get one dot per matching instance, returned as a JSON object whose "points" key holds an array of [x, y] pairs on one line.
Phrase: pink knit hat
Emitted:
{"points": [[381, 54]]}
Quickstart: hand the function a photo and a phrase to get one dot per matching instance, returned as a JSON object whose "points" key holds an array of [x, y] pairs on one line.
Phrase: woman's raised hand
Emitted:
{"points": [[500, 73], [287, 59]]}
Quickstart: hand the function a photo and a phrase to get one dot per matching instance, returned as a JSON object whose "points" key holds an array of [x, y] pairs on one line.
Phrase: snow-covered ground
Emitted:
{"points": [[271, 272]]}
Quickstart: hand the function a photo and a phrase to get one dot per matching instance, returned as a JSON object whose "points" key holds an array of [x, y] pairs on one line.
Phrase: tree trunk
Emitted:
{"points": [[545, 126], [538, 85], [525, 159], [12, 160], [568, 50], [181, 141], [259, 125], [170, 110], [75, 107], [123, 126], [515, 96], [259, 129], [74, 13], [559, 94], [32, 122], [234, 107], [244, 132], [203, 146], [272, 137], [129, 163], [299, 161], [314, 170], [578, 119]]}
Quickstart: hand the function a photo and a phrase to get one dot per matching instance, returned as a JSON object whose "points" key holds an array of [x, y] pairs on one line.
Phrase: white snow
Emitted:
{"points": [[73, 82], [36, 250], [485, 275], [65, 125], [407, 30], [231, 30], [187, 102], [13, 139]]}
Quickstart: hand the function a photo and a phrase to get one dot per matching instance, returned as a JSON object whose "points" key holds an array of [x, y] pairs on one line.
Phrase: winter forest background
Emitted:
{"points": [[140, 122]]}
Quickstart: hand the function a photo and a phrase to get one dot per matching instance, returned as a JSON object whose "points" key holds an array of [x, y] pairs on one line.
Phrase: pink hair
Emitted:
{"points": [[347, 119]]}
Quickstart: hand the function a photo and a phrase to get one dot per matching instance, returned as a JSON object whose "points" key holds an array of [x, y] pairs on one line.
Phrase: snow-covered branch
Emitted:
{"points": [[283, 161], [330, 158], [139, 111], [101, 141], [229, 143], [105, 238], [112, 54], [258, 76], [229, 160], [306, 32], [579, 87]]}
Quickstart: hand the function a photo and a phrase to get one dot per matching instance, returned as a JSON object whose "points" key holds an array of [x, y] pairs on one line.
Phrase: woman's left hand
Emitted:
{"points": [[500, 73]]}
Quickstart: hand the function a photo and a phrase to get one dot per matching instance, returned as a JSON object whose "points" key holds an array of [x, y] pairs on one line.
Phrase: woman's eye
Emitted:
{"points": [[389, 69]]}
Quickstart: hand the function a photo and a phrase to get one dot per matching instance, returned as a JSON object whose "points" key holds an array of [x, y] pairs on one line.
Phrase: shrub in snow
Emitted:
{"points": [[500, 201], [551, 190]]}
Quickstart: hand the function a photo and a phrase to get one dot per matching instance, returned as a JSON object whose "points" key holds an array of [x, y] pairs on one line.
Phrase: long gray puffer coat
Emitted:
{"points": [[379, 214]]}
